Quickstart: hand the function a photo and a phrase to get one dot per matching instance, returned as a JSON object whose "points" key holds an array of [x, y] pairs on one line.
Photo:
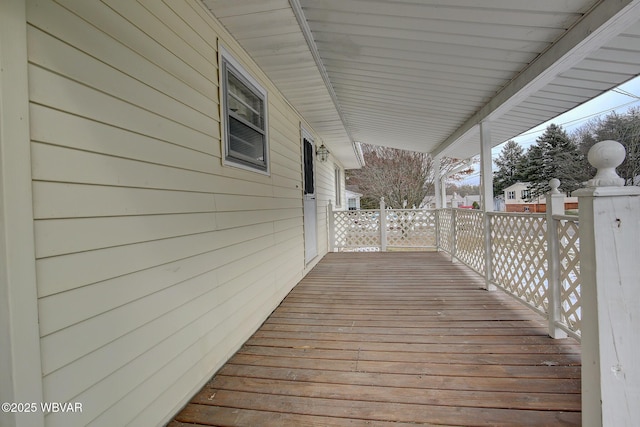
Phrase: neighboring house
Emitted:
{"points": [[517, 199], [353, 200], [164, 198]]}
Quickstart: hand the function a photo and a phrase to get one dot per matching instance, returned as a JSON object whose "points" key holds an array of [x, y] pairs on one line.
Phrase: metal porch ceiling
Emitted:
{"points": [[422, 74]]}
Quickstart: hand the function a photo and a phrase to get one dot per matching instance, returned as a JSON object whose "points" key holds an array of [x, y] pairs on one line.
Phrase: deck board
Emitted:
{"points": [[395, 339]]}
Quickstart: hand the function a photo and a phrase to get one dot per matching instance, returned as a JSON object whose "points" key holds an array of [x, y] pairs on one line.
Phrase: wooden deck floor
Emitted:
{"points": [[394, 339]]}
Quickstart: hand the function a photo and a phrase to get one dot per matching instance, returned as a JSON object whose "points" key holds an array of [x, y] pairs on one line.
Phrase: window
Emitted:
{"points": [[244, 104], [337, 184], [352, 204], [525, 194], [511, 195]]}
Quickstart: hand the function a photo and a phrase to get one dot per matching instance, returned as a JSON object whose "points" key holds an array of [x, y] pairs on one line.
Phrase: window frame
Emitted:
{"points": [[511, 195], [337, 176], [228, 64]]}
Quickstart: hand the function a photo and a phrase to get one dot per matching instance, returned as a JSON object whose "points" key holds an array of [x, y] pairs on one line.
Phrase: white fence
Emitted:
{"points": [[512, 251]]}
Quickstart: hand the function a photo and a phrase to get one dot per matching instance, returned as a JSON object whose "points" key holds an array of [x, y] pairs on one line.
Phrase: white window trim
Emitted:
{"points": [[337, 176], [226, 56]]}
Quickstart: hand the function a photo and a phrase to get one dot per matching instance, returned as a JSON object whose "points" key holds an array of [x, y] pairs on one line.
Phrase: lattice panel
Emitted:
{"points": [[357, 230], [470, 238], [445, 224], [519, 257], [569, 244], [411, 228]]}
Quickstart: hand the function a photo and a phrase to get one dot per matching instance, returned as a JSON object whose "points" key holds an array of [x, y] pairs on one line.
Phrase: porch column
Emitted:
{"points": [[383, 225], [486, 166], [486, 189], [555, 206], [20, 364], [436, 182], [610, 272]]}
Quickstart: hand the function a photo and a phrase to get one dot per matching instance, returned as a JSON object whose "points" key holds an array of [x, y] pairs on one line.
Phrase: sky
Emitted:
{"points": [[619, 100]]}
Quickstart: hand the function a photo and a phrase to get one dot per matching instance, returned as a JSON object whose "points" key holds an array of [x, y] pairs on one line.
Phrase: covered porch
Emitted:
{"points": [[395, 338]]}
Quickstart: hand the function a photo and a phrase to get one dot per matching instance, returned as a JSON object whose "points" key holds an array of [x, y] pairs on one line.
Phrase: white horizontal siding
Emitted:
{"points": [[155, 262]]}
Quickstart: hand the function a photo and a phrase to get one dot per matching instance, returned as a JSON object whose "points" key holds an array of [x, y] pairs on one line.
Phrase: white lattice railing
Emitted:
{"points": [[469, 238], [356, 230], [569, 258], [445, 230], [519, 257], [518, 246], [384, 229]]}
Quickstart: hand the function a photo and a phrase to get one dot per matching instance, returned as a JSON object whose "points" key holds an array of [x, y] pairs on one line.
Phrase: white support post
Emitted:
{"points": [[610, 274], [436, 182], [486, 167], [555, 206], [486, 184], [20, 361], [383, 225], [332, 228]]}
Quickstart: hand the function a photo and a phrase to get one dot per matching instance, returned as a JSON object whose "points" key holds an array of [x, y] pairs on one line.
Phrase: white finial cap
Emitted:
{"points": [[606, 156], [554, 183]]}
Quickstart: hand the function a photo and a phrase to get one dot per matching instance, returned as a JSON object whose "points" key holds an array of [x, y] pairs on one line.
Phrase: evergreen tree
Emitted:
{"points": [[510, 163], [555, 155], [534, 170]]}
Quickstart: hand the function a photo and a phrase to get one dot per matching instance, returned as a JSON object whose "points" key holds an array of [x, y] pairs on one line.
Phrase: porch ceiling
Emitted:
{"points": [[422, 74]]}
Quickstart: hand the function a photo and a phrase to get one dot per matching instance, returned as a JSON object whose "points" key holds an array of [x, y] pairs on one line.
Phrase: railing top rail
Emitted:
{"points": [[522, 214], [389, 209], [565, 217]]}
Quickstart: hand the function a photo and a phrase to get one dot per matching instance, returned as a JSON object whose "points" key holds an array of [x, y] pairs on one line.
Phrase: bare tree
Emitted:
{"points": [[624, 128], [404, 178]]}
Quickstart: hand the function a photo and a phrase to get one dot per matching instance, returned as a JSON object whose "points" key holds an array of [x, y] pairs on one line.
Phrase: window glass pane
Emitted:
{"points": [[245, 103], [246, 142], [309, 187]]}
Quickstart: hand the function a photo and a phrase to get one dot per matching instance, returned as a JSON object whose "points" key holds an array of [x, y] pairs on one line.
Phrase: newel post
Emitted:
{"points": [[555, 206], [610, 275], [383, 225]]}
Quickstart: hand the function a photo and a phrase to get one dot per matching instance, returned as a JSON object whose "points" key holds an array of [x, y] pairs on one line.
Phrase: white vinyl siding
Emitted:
{"points": [[155, 262]]}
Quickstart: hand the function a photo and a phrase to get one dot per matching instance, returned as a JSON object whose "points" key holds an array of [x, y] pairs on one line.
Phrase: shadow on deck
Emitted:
{"points": [[394, 339]]}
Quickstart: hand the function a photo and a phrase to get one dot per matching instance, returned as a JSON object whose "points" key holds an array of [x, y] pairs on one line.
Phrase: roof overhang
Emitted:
{"points": [[422, 75]]}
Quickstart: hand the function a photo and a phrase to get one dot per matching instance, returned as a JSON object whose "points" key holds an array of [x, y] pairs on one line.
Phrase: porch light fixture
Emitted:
{"points": [[322, 153]]}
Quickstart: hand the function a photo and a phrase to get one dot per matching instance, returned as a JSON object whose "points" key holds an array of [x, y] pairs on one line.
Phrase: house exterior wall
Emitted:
{"points": [[154, 261], [519, 204]]}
